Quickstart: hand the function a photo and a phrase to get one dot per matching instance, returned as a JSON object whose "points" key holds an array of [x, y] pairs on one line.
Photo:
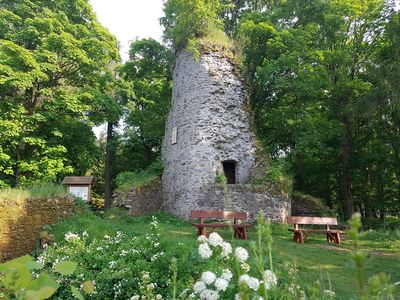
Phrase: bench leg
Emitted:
{"points": [[201, 231], [298, 237], [337, 238]]}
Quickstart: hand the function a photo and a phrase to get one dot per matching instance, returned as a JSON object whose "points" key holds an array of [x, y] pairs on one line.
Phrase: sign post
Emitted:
{"points": [[79, 186]]}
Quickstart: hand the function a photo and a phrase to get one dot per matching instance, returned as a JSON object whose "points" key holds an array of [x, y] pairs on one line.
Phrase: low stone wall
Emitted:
{"points": [[140, 201], [21, 222], [246, 197]]}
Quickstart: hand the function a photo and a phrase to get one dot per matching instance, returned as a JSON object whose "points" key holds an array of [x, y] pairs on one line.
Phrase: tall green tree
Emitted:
{"points": [[307, 67], [53, 57], [148, 70]]}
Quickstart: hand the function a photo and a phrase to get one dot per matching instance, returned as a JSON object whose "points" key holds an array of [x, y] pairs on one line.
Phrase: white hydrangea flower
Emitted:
{"points": [[251, 282], [329, 293], [244, 278], [241, 254], [227, 274], [208, 277], [199, 286], [205, 251], [215, 239], [254, 283], [269, 279], [209, 295], [202, 239], [69, 236], [221, 284], [226, 249]]}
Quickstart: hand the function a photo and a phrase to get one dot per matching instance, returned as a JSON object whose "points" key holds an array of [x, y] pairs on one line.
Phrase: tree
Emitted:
{"points": [[149, 72], [307, 68], [53, 56]]}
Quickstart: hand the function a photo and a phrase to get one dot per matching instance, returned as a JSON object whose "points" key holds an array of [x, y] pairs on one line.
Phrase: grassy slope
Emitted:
{"points": [[316, 259]]}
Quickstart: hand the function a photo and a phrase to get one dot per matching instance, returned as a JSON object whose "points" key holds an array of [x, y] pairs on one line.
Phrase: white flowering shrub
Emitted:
{"points": [[231, 277], [121, 266]]}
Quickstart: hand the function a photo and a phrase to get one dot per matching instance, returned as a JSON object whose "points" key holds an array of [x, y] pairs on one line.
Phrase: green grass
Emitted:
{"points": [[329, 264], [43, 190], [129, 180]]}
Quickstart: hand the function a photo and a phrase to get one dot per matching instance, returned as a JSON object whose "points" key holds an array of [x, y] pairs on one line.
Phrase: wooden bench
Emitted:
{"points": [[301, 234], [237, 216]]}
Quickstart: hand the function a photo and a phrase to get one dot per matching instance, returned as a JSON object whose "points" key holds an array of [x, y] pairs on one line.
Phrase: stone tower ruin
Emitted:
{"points": [[208, 134]]}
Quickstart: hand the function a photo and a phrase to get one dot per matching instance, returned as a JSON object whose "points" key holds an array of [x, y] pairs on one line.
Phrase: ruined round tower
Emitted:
{"points": [[208, 134]]}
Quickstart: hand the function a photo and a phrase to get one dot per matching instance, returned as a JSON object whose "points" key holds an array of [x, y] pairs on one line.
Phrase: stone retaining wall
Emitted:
{"points": [[143, 200], [246, 197], [21, 222]]}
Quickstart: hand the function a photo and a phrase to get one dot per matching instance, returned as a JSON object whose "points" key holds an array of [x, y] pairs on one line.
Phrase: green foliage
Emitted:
{"points": [[187, 20], [314, 83], [220, 178], [128, 180], [19, 279], [53, 67], [148, 71]]}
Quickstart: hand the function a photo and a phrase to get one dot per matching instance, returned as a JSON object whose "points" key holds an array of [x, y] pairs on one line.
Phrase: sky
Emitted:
{"points": [[130, 19]]}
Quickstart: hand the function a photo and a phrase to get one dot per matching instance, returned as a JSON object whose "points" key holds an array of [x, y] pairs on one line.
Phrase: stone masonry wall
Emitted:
{"points": [[208, 114], [139, 201], [246, 197], [21, 222]]}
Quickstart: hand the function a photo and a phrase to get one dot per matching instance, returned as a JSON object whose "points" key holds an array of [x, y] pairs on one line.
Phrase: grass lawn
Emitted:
{"points": [[330, 264]]}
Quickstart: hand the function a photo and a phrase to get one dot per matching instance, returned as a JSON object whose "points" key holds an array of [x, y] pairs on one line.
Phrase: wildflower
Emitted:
{"points": [[205, 251], [251, 282], [85, 234], [269, 279], [245, 267], [150, 286], [135, 297], [209, 295], [227, 274], [254, 283], [221, 284], [329, 293], [112, 264], [208, 277], [202, 239], [241, 254], [199, 286], [158, 297], [215, 239], [69, 236], [226, 249]]}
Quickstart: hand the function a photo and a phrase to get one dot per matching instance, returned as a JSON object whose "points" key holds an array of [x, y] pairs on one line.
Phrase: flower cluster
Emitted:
{"points": [[146, 289], [210, 285]]}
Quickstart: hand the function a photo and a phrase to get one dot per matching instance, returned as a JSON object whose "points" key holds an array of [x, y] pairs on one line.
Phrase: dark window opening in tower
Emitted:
{"points": [[229, 171]]}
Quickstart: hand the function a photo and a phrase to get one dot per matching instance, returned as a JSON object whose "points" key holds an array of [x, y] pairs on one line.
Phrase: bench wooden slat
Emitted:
{"points": [[316, 230], [222, 225], [219, 214], [311, 220]]}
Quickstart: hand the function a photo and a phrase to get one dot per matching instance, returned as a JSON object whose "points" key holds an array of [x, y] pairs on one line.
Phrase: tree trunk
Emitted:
{"points": [[110, 149], [348, 200]]}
